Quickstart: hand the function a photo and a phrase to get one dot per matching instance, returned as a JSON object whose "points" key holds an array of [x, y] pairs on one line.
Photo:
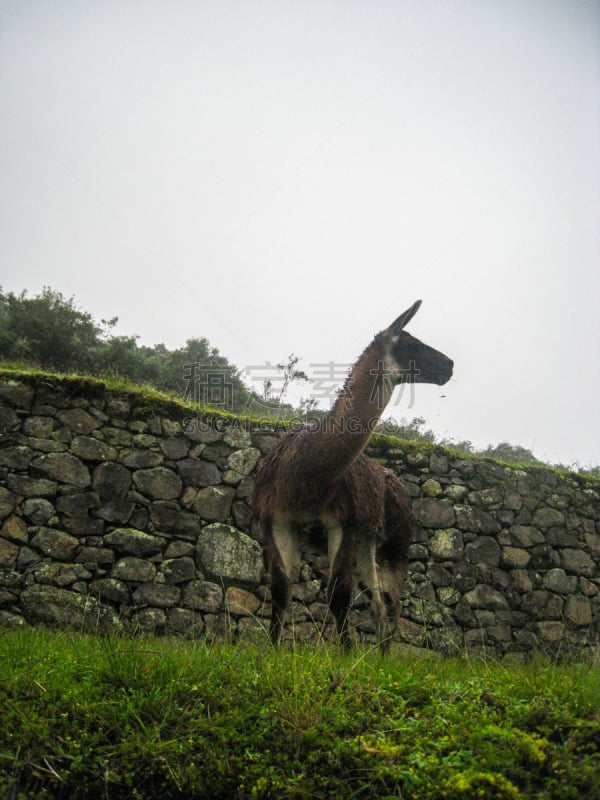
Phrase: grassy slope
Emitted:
{"points": [[85, 717]]}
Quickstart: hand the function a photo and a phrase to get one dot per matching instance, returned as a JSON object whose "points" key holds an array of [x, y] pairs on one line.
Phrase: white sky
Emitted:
{"points": [[283, 176]]}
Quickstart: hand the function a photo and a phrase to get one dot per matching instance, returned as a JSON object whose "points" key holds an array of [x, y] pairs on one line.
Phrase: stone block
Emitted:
{"points": [[149, 620], [526, 536], [134, 569], [78, 420], [116, 511], [547, 517], [159, 483], [196, 430], [111, 481], [543, 557], [551, 631], [110, 589], [521, 580], [145, 441], [219, 627], [228, 554], [17, 457], [513, 501], [95, 556], [8, 502], [242, 514], [175, 448], [161, 595], [593, 542], [77, 505], [470, 518], [55, 544], [15, 529], [198, 473], [185, 622], [179, 549], [487, 498], [515, 557], [83, 526], [213, 503], [26, 558], [556, 580], [140, 458], [240, 602], [431, 488], [203, 596], [137, 543], [578, 610], [447, 545], [16, 393], [484, 550], [64, 468], [118, 407], [438, 463], [55, 606], [486, 597], [542, 605], [178, 570], [578, 562], [91, 449], [455, 492], [433, 513], [243, 461], [306, 592], [448, 595], [8, 554], [439, 575], [9, 421], [166, 519], [38, 510], [62, 575]]}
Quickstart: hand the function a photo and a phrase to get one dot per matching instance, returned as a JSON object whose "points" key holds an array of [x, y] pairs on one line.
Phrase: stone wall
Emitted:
{"points": [[120, 513]]}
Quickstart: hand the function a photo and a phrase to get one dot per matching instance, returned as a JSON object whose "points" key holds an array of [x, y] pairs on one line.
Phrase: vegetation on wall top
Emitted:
{"points": [[50, 332]]}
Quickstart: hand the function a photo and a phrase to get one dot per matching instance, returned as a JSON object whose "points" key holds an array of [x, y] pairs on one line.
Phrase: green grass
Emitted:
{"points": [[147, 398], [86, 717], [143, 393]]}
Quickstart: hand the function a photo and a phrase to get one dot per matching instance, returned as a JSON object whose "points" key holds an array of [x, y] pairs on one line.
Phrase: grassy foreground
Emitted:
{"points": [[85, 717]]}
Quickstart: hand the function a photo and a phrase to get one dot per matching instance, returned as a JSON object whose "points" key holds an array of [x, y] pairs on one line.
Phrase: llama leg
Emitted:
{"points": [[339, 589], [280, 598], [392, 582], [283, 556], [369, 579], [392, 554]]}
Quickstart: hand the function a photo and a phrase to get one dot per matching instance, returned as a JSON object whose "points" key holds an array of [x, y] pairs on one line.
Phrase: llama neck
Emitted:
{"points": [[345, 431]]}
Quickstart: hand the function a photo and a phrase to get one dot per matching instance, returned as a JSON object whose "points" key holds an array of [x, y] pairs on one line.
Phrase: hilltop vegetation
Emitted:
{"points": [[51, 332], [85, 717]]}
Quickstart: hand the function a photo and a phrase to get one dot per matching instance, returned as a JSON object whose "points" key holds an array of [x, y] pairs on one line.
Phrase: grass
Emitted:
{"points": [[144, 393], [87, 717], [147, 398]]}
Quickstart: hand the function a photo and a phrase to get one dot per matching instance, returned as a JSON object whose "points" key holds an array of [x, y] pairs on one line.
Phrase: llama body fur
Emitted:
{"points": [[319, 477]]}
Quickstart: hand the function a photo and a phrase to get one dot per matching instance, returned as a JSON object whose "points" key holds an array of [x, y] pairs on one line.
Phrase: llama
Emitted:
{"points": [[317, 488]]}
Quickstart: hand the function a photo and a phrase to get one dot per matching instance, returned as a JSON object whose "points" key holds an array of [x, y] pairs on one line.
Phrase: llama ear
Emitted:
{"points": [[405, 318]]}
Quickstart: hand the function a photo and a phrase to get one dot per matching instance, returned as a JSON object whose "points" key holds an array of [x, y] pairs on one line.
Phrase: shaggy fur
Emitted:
{"points": [[321, 477]]}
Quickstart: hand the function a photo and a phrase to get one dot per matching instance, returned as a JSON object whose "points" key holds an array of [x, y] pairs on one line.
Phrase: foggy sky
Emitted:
{"points": [[288, 177]]}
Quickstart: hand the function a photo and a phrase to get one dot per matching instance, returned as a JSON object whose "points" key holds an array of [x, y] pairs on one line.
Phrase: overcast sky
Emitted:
{"points": [[283, 176]]}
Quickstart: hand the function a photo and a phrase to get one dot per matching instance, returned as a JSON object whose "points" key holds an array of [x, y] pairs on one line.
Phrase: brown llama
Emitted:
{"points": [[317, 488]]}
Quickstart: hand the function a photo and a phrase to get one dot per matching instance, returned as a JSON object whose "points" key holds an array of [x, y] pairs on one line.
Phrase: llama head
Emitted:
{"points": [[412, 360]]}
